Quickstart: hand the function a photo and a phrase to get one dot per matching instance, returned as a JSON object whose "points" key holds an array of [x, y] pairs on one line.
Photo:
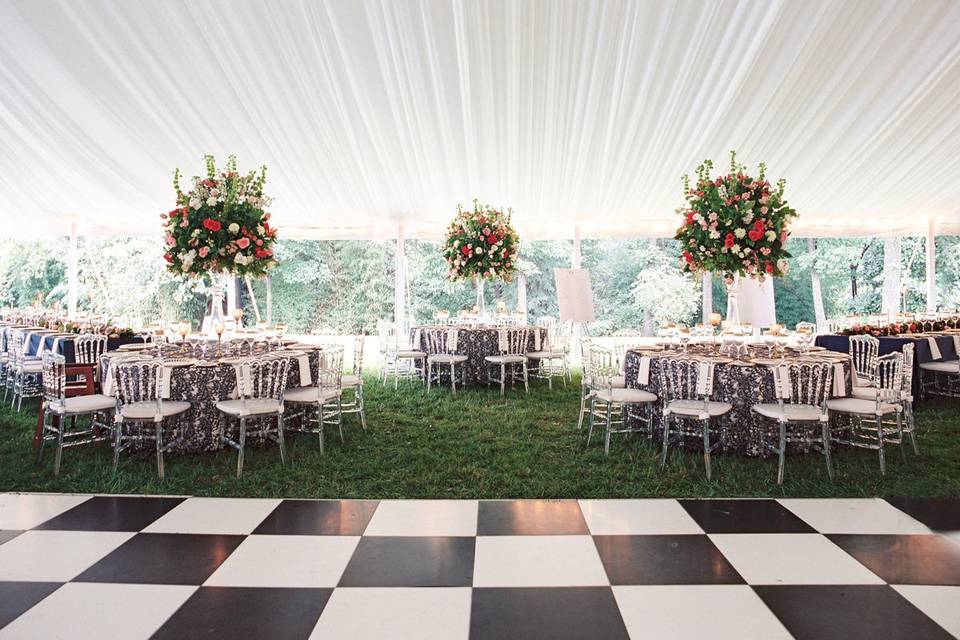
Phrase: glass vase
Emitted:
{"points": [[733, 308], [216, 304], [481, 304]]}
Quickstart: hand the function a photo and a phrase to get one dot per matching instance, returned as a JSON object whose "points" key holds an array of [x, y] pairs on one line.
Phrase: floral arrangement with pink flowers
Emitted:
{"points": [[481, 242], [735, 224], [897, 328], [221, 224]]}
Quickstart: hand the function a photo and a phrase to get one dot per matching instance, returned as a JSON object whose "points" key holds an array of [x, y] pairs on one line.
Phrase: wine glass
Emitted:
{"points": [[237, 316], [218, 328], [183, 329], [683, 337]]}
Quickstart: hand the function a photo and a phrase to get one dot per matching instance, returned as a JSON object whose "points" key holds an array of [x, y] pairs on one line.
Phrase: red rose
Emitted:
{"points": [[688, 257], [755, 234], [729, 241], [465, 250], [492, 239], [243, 243], [768, 266], [211, 224], [758, 225], [689, 218], [173, 214], [504, 255], [168, 257], [263, 253]]}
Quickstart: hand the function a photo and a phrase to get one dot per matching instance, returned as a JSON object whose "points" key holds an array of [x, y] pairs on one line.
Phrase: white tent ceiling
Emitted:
{"points": [[573, 113]]}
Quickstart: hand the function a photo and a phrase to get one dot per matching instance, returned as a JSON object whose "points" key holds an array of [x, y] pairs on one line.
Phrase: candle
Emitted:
{"points": [[715, 319]]}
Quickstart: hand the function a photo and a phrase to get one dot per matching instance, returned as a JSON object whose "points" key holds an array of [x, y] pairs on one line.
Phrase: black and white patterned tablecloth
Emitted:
{"points": [[476, 343], [742, 385], [203, 387]]}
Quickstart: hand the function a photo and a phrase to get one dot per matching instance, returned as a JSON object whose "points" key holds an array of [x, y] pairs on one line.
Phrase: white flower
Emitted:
{"points": [[740, 233], [714, 234], [478, 250], [195, 233], [211, 201], [735, 248], [234, 228], [194, 203], [260, 229], [771, 235]]}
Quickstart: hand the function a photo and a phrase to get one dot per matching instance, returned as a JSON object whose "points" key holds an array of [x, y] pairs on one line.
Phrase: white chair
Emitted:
{"points": [[868, 428], [397, 357], [138, 385], [801, 391], [585, 389], [324, 398], [552, 359], [686, 386], [26, 370], [512, 345], [60, 413], [354, 382], [607, 401], [261, 383], [443, 345], [937, 371]]}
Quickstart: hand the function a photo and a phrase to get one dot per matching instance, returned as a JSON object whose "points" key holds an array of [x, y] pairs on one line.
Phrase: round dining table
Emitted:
{"points": [[203, 376], [741, 382], [476, 342]]}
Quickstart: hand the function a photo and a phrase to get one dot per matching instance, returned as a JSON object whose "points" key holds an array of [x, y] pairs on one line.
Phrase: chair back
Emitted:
{"points": [[139, 380], [358, 354], [387, 333], [600, 369], [330, 368], [54, 378], [89, 347], [686, 379], [889, 378], [263, 378], [17, 346], [908, 353], [442, 341], [558, 337], [803, 383], [546, 322], [512, 341], [864, 351]]}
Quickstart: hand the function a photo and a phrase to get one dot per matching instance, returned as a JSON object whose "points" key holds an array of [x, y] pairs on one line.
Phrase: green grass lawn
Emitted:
{"points": [[477, 445]]}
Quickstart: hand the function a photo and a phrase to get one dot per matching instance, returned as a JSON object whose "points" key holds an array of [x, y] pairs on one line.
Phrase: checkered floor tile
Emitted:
{"points": [[140, 567]]}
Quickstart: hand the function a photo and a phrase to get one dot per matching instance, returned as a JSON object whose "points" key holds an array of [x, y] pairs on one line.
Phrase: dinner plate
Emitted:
{"points": [[179, 362], [135, 346], [234, 360]]}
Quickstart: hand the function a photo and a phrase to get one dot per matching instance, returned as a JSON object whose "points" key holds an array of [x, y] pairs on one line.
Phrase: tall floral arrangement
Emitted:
{"points": [[734, 224], [220, 224], [481, 243]]}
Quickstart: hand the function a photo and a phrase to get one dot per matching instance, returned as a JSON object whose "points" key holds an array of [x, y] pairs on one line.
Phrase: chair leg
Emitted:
{"points": [[280, 440], [453, 377], [526, 380], [593, 406], [243, 445], [706, 448], [321, 427], [59, 455], [826, 449], [159, 443], [117, 439], [583, 406], [340, 419], [781, 453], [503, 377], [606, 444], [903, 452], [358, 391], [666, 440], [429, 375], [880, 454]]}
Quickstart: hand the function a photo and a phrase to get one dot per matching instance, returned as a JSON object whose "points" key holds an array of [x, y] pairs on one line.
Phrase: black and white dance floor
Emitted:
{"points": [[74, 566]]}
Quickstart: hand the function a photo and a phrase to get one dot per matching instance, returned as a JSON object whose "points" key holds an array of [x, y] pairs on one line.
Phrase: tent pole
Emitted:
{"points": [[399, 283], [575, 263], [73, 271], [931, 266]]}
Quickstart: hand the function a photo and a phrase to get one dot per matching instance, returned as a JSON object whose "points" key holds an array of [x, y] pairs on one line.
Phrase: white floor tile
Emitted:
{"points": [[791, 558], [637, 517], [396, 614], [55, 555], [424, 518], [941, 604], [99, 610], [26, 511], [854, 515], [718, 612], [532, 561], [214, 515], [286, 561]]}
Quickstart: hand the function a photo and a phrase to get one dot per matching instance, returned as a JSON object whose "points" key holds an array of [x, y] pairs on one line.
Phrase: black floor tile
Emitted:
{"points": [[941, 514], [914, 559], [530, 517], [8, 534], [163, 558], [744, 516], [112, 513], [549, 613], [664, 559], [411, 562], [234, 612], [319, 518], [17, 597], [848, 612]]}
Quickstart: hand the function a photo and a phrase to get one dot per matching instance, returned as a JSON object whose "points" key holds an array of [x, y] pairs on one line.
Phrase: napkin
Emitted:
{"points": [[839, 378], [784, 384], [107, 386], [502, 340], [934, 349], [704, 373], [305, 379], [536, 339], [643, 371], [956, 345], [165, 382], [452, 339], [416, 338]]}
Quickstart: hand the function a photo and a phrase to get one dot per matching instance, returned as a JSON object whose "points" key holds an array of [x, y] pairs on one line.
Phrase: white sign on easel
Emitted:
{"points": [[575, 295]]}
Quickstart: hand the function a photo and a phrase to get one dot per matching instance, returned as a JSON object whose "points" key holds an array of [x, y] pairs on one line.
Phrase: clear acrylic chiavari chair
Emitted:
{"points": [[608, 403], [513, 344], [322, 403], [443, 344]]}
